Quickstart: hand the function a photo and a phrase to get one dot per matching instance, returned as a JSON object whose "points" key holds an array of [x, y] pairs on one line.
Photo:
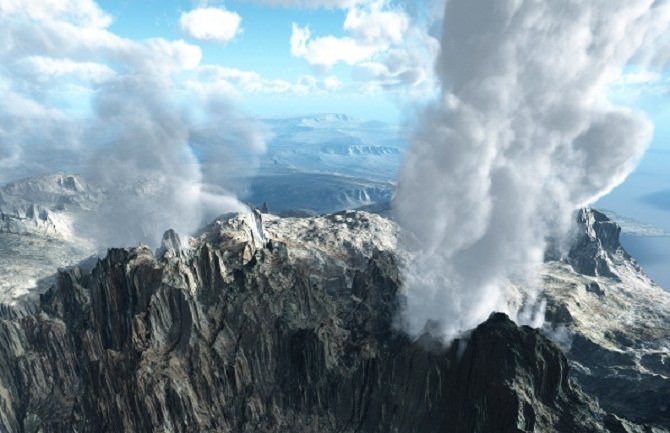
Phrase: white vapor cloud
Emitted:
{"points": [[46, 68], [210, 24], [315, 4], [374, 28], [145, 163], [329, 50], [77, 12], [133, 136], [332, 84], [222, 80], [387, 44], [522, 135], [377, 26]]}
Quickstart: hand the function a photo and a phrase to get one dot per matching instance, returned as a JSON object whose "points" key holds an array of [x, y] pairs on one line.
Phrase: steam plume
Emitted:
{"points": [[135, 137], [521, 136], [144, 163]]}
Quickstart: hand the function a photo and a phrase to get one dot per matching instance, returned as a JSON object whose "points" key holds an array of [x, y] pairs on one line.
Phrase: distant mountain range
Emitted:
{"points": [[319, 164]]}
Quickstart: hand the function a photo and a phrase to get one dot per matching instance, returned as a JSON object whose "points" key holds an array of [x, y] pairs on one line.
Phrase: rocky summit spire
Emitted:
{"points": [[170, 245]]}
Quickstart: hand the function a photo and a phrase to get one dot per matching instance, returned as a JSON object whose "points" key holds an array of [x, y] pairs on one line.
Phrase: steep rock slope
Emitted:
{"points": [[37, 233], [274, 327], [614, 323], [40, 206]]}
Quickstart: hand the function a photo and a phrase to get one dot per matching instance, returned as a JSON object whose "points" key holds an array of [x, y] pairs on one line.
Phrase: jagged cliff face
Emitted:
{"points": [[255, 327], [616, 323], [289, 327]]}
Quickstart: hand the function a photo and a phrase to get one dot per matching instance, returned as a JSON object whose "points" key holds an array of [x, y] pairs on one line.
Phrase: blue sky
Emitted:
{"points": [[73, 65], [263, 45], [371, 59], [68, 64]]}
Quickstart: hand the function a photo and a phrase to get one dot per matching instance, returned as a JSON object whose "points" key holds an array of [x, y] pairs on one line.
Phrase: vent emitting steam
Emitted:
{"points": [[135, 142], [522, 135]]}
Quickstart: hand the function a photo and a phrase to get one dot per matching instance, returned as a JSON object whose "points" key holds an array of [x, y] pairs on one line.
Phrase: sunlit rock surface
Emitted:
{"points": [[250, 327], [292, 330], [613, 321], [38, 233]]}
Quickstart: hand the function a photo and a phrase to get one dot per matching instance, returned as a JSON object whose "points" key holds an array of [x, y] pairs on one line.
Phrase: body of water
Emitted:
{"points": [[645, 197], [653, 254]]}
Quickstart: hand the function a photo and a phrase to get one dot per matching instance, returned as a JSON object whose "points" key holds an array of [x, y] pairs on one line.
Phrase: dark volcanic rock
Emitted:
{"points": [[621, 386], [295, 336]]}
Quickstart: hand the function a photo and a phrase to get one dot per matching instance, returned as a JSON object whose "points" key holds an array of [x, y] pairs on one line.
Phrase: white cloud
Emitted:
{"points": [[80, 37], [523, 134], [233, 81], [629, 87], [387, 76], [328, 50], [315, 4], [373, 30], [178, 54], [638, 78], [387, 47], [45, 68], [210, 24], [134, 141], [376, 26], [332, 83], [79, 12]]}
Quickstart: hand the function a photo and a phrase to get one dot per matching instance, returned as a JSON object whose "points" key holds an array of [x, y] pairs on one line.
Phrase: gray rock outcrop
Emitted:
{"points": [[295, 335], [596, 243], [612, 321]]}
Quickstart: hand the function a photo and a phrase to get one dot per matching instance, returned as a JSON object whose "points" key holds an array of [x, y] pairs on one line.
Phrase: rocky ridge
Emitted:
{"points": [[37, 233], [40, 206], [608, 317], [614, 323], [286, 328]]}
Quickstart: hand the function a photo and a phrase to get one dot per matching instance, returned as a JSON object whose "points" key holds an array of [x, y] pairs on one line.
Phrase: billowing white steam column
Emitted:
{"points": [[136, 141], [522, 135], [142, 160]]}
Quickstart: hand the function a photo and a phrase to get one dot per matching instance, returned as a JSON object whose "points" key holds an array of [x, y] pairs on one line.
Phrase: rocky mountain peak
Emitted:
{"points": [[170, 246], [612, 320], [293, 334], [594, 247], [290, 323]]}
